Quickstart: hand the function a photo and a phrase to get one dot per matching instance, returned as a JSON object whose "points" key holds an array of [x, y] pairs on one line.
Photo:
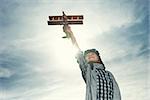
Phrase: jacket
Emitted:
{"points": [[89, 74]]}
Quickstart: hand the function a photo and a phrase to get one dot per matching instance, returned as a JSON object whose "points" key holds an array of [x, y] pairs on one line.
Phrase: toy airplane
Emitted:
{"points": [[65, 20]]}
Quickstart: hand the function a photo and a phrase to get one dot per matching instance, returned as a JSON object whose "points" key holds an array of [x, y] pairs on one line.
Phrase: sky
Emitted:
{"points": [[37, 64]]}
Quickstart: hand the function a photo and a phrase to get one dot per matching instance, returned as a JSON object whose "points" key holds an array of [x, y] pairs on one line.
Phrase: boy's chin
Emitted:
{"points": [[93, 62]]}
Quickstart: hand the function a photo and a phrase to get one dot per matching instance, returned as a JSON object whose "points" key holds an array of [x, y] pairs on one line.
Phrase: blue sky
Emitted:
{"points": [[37, 64]]}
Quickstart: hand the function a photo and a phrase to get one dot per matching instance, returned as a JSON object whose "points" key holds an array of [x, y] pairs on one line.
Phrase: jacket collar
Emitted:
{"points": [[99, 66]]}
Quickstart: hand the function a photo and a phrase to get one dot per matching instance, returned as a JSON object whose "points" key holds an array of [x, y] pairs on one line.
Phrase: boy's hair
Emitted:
{"points": [[95, 51]]}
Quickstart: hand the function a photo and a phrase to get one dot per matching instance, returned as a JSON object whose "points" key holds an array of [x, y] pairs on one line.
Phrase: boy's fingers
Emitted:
{"points": [[66, 28]]}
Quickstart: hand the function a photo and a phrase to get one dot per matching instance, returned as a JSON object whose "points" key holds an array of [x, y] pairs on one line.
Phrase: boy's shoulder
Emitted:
{"points": [[110, 73]]}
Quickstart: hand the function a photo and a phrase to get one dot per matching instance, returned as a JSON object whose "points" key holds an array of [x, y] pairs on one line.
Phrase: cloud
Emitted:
{"points": [[5, 73], [130, 38], [23, 74]]}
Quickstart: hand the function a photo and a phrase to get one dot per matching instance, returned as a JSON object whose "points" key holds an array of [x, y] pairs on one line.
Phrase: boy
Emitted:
{"points": [[100, 84]]}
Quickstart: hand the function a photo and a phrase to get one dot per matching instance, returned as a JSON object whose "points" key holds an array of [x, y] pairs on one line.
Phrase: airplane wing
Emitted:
{"points": [[58, 20]]}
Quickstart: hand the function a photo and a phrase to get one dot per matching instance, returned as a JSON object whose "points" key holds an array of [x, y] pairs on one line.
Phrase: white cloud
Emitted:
{"points": [[5, 73]]}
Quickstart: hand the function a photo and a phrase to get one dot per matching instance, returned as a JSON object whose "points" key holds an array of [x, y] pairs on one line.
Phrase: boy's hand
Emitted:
{"points": [[67, 29], [69, 34]]}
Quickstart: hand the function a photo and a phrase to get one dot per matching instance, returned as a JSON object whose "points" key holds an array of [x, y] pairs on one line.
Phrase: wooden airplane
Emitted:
{"points": [[65, 20]]}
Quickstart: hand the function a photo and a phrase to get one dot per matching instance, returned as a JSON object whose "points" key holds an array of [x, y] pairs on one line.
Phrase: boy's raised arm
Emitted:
{"points": [[69, 34]]}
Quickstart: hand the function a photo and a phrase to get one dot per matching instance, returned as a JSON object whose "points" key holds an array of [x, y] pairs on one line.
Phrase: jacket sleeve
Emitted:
{"points": [[82, 64], [117, 94]]}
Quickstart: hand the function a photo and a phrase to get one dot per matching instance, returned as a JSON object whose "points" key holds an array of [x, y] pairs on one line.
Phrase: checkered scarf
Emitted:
{"points": [[104, 85]]}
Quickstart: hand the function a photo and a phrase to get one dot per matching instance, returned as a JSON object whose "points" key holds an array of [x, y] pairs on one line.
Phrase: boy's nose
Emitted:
{"points": [[90, 54]]}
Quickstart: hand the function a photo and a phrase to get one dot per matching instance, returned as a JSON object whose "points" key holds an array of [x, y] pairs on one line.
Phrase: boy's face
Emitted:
{"points": [[91, 57]]}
